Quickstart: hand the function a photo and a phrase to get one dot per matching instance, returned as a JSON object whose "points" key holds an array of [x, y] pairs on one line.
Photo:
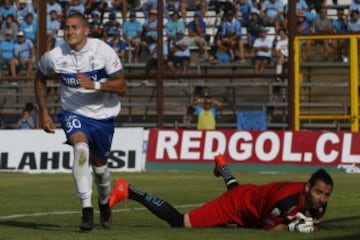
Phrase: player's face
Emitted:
{"points": [[75, 33], [318, 195]]}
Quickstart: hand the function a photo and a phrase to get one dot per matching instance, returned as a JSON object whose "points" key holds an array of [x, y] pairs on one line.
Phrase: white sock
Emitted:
{"points": [[81, 173], [103, 182], [279, 68]]}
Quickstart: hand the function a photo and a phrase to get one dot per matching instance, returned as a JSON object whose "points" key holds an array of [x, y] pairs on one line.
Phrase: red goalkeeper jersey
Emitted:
{"points": [[254, 206]]}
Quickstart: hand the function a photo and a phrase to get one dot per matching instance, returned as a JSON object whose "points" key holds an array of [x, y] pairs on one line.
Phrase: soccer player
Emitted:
{"points": [[91, 81], [292, 206]]}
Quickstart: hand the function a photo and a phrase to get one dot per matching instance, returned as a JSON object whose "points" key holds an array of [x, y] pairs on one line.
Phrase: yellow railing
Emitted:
{"points": [[353, 117]]}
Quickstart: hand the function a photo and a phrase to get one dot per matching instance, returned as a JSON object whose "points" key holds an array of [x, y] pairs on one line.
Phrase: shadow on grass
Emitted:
{"points": [[31, 225], [346, 225]]}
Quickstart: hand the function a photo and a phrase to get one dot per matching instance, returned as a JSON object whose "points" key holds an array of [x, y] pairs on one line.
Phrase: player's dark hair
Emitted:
{"points": [[321, 175], [78, 15]]}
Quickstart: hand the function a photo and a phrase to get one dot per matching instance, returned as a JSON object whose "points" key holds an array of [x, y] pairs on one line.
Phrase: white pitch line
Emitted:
{"points": [[14, 216]]}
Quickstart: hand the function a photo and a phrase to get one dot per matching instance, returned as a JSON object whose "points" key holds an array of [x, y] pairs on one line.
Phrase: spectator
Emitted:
{"points": [[24, 54], [340, 26], [262, 48], [316, 4], [173, 6], [230, 35], [244, 8], [221, 56], [179, 53], [304, 27], [197, 5], [96, 27], [52, 24], [354, 22], [322, 25], [148, 5], [7, 46], [112, 26], [132, 34], [151, 63], [253, 27], [282, 51], [96, 5], [174, 25], [197, 32], [28, 118], [9, 24], [29, 27], [149, 35], [125, 5], [53, 5], [119, 45], [206, 110], [355, 5], [75, 7], [23, 8], [8, 8], [272, 13]]}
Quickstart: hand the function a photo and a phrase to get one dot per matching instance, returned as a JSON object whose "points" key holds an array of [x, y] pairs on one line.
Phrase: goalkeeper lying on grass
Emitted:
{"points": [[292, 206]]}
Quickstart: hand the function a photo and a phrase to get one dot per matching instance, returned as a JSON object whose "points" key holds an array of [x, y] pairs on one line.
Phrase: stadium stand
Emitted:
{"points": [[325, 88]]}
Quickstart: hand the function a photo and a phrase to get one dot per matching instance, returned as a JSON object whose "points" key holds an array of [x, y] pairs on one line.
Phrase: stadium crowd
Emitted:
{"points": [[248, 29]]}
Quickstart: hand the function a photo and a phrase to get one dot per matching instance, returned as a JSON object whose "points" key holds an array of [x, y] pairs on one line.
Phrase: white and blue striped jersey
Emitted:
{"points": [[98, 61]]}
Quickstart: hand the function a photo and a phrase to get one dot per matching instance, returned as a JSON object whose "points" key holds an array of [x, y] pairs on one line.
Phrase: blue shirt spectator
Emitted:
{"points": [[7, 9], [23, 9], [132, 27], [174, 25], [7, 47], [29, 27]]}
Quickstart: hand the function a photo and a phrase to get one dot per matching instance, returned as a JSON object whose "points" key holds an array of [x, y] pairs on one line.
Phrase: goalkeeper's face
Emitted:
{"points": [[318, 195]]}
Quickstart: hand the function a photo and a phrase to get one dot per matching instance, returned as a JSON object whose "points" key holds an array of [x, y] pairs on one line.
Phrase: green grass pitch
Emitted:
{"points": [[45, 206]]}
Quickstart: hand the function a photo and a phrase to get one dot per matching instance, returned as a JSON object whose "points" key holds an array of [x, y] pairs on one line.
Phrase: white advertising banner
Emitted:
{"points": [[34, 151]]}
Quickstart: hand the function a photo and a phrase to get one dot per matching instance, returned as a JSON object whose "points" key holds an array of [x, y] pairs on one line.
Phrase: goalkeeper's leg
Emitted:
{"points": [[222, 169], [162, 209]]}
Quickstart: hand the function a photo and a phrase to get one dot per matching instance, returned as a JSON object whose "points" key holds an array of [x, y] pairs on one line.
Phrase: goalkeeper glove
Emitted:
{"points": [[301, 224]]}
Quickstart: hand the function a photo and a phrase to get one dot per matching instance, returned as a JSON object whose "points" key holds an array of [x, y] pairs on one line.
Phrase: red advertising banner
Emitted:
{"points": [[255, 147]]}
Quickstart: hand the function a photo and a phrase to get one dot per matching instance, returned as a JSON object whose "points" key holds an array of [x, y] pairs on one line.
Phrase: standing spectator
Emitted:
{"points": [[7, 46], [206, 110], [231, 36], [8, 8], [28, 118], [9, 24], [179, 53], [24, 55], [197, 32], [282, 50], [112, 26], [91, 82], [95, 25], [29, 27], [262, 48], [132, 34]]}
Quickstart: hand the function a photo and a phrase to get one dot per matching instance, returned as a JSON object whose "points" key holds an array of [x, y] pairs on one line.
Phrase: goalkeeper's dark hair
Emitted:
{"points": [[321, 175]]}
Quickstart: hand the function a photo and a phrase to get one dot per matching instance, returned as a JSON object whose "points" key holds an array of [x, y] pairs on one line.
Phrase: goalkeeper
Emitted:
{"points": [[292, 206]]}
